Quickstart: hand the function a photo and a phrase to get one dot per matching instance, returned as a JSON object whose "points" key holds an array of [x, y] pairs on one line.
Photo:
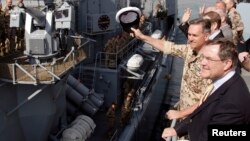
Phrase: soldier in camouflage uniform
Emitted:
{"points": [[2, 31], [126, 107], [10, 32], [192, 86], [19, 38], [111, 115], [237, 24]]}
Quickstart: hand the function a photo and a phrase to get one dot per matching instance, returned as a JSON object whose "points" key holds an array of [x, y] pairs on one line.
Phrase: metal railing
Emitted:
{"points": [[112, 60], [20, 71]]}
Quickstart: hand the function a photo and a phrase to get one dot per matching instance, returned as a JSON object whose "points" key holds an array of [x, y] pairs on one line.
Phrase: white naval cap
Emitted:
{"points": [[128, 17], [127, 13]]}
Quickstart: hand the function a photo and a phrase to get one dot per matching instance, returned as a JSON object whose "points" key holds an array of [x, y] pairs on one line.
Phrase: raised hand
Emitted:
{"points": [[202, 9], [186, 16], [243, 56]]}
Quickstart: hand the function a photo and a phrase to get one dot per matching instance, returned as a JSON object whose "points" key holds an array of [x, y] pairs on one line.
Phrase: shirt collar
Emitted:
{"points": [[222, 80], [213, 35]]}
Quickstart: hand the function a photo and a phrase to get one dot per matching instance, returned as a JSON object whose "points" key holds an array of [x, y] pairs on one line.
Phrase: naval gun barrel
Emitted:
{"points": [[38, 15]]}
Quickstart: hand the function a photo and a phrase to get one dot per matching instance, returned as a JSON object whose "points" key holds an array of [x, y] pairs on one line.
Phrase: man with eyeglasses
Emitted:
{"points": [[192, 85], [228, 102]]}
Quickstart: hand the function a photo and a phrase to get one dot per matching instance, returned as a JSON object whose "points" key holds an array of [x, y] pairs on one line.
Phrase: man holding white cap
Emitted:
{"points": [[192, 86]]}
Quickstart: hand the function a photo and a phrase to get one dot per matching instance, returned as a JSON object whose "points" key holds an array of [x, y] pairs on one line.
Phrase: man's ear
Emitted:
{"points": [[207, 36], [214, 25], [228, 64]]}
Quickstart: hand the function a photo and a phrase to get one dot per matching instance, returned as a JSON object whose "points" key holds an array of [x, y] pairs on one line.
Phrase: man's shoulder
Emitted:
{"points": [[237, 94], [236, 84], [233, 12]]}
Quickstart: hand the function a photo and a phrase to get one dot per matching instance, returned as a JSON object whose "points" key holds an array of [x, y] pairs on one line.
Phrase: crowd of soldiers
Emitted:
{"points": [[113, 49], [12, 38]]}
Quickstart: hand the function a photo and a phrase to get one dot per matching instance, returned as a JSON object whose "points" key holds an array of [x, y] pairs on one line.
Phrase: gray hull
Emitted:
{"points": [[30, 120]]}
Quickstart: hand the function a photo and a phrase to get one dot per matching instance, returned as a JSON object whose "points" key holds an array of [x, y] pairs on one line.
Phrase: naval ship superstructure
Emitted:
{"points": [[72, 80]]}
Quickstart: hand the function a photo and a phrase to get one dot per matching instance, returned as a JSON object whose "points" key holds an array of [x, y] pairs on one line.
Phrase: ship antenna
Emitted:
{"points": [[128, 3]]}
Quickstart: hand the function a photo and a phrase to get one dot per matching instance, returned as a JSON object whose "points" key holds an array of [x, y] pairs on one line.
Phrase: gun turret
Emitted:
{"points": [[39, 34], [41, 27]]}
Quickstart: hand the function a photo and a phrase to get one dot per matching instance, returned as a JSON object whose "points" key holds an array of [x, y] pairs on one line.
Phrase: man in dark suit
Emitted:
{"points": [[215, 20], [228, 101]]}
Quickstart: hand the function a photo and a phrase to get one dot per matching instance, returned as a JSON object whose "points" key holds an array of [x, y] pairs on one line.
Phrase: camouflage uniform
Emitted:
{"points": [[2, 33], [2, 28], [126, 107], [10, 32], [192, 85], [237, 24], [20, 31], [111, 115]]}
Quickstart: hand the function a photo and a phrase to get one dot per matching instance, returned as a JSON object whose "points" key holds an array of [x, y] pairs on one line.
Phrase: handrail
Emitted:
{"points": [[121, 53], [26, 72], [173, 138], [58, 78]]}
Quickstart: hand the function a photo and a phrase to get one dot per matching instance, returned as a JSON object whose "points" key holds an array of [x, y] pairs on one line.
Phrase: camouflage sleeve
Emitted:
{"points": [[237, 22], [174, 49]]}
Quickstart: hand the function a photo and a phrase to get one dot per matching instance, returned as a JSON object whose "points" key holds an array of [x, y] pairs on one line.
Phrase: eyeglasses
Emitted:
{"points": [[209, 59]]}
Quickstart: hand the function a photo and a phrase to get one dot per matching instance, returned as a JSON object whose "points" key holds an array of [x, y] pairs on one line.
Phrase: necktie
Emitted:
{"points": [[206, 93]]}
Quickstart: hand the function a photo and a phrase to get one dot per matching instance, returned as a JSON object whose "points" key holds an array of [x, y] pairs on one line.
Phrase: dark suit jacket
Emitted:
{"points": [[220, 35], [228, 105]]}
